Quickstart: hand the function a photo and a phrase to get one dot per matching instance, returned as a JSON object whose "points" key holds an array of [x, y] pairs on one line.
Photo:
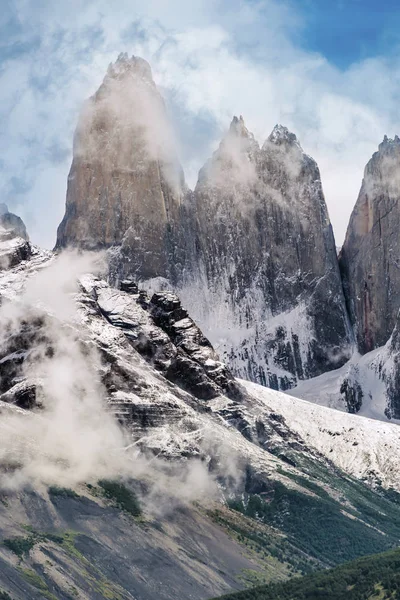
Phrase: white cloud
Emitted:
{"points": [[212, 59]]}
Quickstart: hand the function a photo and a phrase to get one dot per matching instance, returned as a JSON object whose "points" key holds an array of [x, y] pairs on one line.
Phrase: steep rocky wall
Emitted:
{"points": [[264, 281], [250, 250], [125, 184], [370, 257]]}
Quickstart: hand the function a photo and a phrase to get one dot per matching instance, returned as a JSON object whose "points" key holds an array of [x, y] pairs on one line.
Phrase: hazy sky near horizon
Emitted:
{"points": [[327, 69]]}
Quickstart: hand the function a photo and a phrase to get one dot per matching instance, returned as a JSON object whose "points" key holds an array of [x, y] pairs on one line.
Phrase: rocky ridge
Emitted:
{"points": [[160, 378], [251, 249]]}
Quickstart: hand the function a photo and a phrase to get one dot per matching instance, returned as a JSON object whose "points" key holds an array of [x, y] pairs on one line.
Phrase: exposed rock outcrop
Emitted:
{"points": [[370, 257], [265, 281], [251, 250], [14, 240], [164, 334], [12, 223], [125, 185]]}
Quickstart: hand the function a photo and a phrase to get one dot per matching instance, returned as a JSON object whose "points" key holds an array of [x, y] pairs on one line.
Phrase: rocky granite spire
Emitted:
{"points": [[267, 286], [125, 185], [370, 257], [251, 250]]}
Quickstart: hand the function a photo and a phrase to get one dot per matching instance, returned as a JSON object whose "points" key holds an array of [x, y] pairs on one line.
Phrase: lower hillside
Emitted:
{"points": [[134, 466], [374, 577]]}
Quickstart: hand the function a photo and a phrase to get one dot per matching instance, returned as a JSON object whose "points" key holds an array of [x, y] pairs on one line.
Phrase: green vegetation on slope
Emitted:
{"points": [[55, 490], [374, 577], [122, 496], [20, 545], [315, 525], [278, 558]]}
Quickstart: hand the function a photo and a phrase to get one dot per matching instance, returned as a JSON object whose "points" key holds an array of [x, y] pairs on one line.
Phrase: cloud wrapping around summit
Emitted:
{"points": [[211, 60]]}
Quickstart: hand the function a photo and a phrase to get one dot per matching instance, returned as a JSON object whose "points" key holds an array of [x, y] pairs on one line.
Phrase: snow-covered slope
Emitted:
{"points": [[363, 447], [98, 382], [162, 378], [367, 384]]}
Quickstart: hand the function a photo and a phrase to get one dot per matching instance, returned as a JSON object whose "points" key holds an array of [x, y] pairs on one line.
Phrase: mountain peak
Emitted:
{"points": [[134, 65], [281, 135], [389, 142], [238, 128]]}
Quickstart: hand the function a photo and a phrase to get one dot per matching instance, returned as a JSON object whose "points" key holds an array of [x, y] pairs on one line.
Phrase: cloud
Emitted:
{"points": [[73, 437], [211, 60]]}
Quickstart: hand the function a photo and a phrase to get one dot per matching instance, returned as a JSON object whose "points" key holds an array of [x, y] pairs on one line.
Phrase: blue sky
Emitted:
{"points": [[329, 70], [347, 31]]}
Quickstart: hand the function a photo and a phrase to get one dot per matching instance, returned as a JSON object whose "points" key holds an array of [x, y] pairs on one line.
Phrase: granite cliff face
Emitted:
{"points": [[126, 387], [251, 250], [370, 255], [125, 184], [264, 280]]}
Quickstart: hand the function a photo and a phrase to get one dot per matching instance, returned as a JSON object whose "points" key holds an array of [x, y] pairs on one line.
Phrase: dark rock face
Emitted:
{"points": [[163, 333], [388, 369], [265, 253], [369, 258], [125, 185], [353, 395], [14, 240], [251, 250]]}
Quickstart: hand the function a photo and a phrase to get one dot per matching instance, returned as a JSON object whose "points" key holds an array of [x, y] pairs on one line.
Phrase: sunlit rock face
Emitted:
{"points": [[265, 280], [370, 255], [125, 184]]}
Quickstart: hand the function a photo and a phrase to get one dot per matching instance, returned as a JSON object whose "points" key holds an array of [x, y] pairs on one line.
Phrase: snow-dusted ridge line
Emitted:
{"points": [[360, 446], [363, 447]]}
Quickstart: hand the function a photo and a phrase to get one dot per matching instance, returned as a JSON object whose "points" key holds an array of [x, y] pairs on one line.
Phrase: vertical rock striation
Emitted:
{"points": [[370, 257], [265, 281], [250, 250], [125, 184]]}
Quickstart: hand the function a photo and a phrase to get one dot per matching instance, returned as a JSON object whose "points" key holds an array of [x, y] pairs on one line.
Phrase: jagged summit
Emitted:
{"points": [[237, 127], [281, 135], [125, 184], [12, 223], [389, 142], [126, 65], [238, 136], [266, 248]]}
